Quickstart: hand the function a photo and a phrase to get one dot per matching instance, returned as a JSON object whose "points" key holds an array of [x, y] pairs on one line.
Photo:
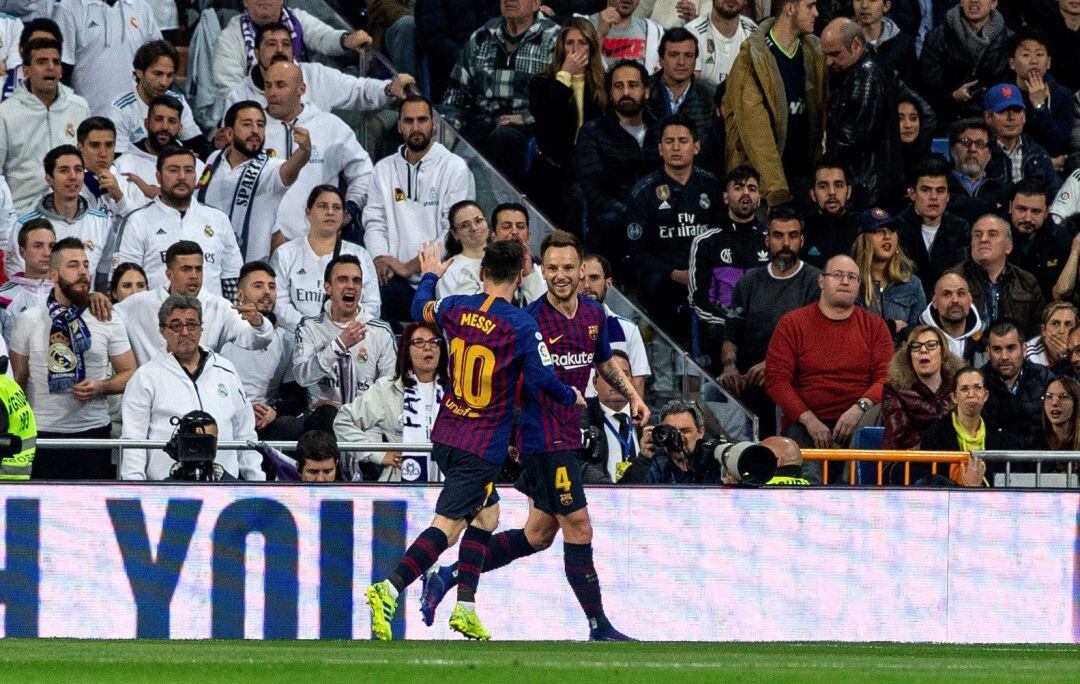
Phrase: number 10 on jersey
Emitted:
{"points": [[474, 365]]}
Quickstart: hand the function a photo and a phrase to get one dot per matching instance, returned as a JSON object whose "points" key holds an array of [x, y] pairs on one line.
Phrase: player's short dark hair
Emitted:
{"points": [[1025, 33], [784, 213], [415, 99], [561, 238], [256, 267], [502, 261], [120, 271], [94, 123], [181, 248], [677, 35], [172, 150], [27, 51], [269, 28], [933, 166], [166, 101], [404, 361], [318, 190], [956, 131], [1002, 327], [342, 259], [61, 245], [605, 265], [39, 223], [1030, 185], [53, 155], [39, 25], [148, 53], [678, 120], [508, 206], [741, 174], [627, 64], [234, 111], [316, 445]]}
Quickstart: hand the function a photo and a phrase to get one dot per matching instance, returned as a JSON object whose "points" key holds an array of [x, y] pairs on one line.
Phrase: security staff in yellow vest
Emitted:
{"points": [[789, 463], [18, 429]]}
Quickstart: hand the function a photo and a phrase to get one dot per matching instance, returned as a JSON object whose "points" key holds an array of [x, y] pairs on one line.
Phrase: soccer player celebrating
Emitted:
{"points": [[492, 345], [576, 329]]}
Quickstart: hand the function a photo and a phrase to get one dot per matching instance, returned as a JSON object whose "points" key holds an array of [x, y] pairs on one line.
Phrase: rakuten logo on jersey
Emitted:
{"points": [[571, 361]]}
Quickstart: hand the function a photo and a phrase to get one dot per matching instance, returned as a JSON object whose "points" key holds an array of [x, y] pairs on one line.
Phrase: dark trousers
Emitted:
{"points": [[74, 464], [607, 236], [665, 302], [813, 470], [504, 147], [397, 295]]}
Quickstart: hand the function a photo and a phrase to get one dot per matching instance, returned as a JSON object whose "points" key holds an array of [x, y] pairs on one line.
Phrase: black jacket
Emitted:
{"points": [[552, 105], [947, 251], [1035, 163], [1052, 124], [594, 455], [608, 162], [908, 14], [946, 64], [941, 436], [862, 131], [697, 104], [897, 56], [1042, 254], [989, 198], [1019, 297], [718, 259], [442, 29], [825, 236], [1020, 413]]}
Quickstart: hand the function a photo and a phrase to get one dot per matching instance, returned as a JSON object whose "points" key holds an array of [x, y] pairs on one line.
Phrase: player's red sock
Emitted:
{"points": [[420, 556], [471, 561], [578, 562], [506, 547]]}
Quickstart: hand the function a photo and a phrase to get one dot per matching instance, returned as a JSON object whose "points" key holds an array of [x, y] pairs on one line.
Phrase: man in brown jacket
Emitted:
{"points": [[774, 106]]}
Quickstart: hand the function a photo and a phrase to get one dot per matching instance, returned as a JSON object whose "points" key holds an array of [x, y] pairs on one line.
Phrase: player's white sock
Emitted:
{"points": [[468, 605], [393, 590]]}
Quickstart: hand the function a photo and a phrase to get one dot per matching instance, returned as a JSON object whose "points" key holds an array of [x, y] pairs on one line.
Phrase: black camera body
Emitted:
{"points": [[193, 449]]}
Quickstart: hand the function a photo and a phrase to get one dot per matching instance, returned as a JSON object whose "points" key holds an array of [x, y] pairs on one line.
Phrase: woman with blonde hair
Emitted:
{"points": [[888, 285], [918, 392], [562, 99]]}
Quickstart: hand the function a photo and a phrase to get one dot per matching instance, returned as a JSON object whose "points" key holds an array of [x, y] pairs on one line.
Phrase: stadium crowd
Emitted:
{"points": [[856, 213]]}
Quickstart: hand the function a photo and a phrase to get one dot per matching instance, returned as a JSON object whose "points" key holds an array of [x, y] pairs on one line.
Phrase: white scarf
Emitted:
{"points": [[418, 410]]}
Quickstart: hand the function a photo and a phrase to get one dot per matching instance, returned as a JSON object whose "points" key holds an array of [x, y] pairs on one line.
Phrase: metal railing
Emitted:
{"points": [[851, 457]]}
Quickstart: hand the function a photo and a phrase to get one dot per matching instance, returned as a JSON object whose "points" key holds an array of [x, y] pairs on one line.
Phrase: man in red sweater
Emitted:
{"points": [[828, 361]]}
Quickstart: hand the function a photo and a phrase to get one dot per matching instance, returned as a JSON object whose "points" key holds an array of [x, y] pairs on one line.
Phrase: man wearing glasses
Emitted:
{"points": [[972, 192], [827, 363], [185, 378]]}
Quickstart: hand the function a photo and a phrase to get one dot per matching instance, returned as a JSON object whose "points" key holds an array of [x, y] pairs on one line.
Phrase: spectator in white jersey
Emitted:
{"points": [[267, 373], [100, 39], [221, 321], [340, 352], [335, 150], [468, 235], [175, 214], [62, 355], [66, 209], [41, 114], [35, 28], [246, 183], [31, 286], [327, 88], [720, 33], [234, 52], [623, 334], [154, 66], [408, 204], [139, 164], [301, 262], [11, 29]]}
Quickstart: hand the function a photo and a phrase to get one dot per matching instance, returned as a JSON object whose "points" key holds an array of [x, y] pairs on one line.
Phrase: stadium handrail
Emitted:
{"points": [[882, 457]]}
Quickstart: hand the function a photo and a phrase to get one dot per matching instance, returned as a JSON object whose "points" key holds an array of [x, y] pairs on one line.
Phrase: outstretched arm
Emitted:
{"points": [[617, 379]]}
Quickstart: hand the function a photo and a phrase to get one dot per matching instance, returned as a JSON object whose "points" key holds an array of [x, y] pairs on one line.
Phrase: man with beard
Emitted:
{"points": [[155, 65], [761, 298], [246, 183], [719, 35], [623, 334], [267, 373], [335, 150], [972, 191], [139, 163], [626, 36], [327, 88], [68, 361], [862, 131], [222, 323], [1040, 247], [830, 229], [612, 154], [951, 312], [1016, 384], [409, 203], [174, 215], [719, 257]]}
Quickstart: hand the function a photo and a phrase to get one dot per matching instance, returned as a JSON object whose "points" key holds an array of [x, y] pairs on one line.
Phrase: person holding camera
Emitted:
{"points": [[676, 451]]}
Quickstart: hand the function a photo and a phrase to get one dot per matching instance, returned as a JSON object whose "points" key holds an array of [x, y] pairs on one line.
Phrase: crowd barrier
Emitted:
{"points": [[676, 564]]}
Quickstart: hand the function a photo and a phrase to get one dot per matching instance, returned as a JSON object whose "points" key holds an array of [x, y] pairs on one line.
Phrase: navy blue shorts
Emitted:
{"points": [[553, 481], [468, 483]]}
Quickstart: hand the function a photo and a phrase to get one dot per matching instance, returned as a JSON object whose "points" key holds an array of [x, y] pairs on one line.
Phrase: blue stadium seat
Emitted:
{"points": [[530, 154], [425, 75], [940, 146], [867, 438]]}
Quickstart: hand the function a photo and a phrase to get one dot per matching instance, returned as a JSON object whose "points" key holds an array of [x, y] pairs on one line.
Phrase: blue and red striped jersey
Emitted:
{"points": [[491, 345], [575, 344]]}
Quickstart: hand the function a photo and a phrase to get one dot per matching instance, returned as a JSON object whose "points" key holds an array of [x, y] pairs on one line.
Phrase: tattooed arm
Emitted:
{"points": [[617, 379]]}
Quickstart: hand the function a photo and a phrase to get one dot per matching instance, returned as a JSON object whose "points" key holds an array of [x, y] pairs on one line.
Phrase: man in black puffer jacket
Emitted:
{"points": [[862, 132]]}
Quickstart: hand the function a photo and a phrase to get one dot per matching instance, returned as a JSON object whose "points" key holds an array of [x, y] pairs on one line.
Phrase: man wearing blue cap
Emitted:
{"points": [[1015, 156]]}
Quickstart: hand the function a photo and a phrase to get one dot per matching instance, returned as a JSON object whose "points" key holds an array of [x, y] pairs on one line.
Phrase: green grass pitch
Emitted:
{"points": [[300, 662]]}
